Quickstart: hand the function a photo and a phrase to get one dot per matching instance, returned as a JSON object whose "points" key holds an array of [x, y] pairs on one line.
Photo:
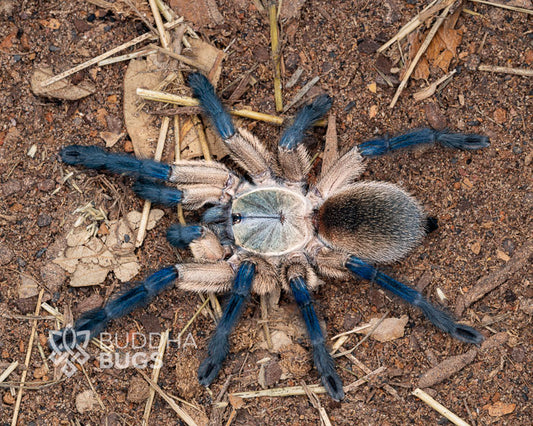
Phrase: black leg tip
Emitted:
{"points": [[467, 334], [78, 154], [333, 385], [208, 371]]}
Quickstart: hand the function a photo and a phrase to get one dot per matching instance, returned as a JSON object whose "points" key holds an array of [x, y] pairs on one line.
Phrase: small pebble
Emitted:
{"points": [[138, 391], [6, 254], [53, 48], [517, 149], [44, 220], [46, 185]]}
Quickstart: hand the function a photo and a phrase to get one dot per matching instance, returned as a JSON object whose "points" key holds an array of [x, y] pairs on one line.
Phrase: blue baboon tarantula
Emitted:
{"points": [[271, 229]]}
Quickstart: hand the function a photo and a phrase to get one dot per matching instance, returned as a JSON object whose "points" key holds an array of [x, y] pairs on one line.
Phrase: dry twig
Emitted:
{"points": [[420, 52], [454, 418]]}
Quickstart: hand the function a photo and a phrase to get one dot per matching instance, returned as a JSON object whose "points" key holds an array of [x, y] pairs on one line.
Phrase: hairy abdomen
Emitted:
{"points": [[375, 221]]}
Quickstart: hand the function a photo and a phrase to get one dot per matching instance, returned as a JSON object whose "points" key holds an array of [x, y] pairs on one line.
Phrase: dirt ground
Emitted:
{"points": [[483, 201]]}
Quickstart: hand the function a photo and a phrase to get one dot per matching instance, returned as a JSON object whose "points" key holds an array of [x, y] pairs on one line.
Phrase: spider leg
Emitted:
{"points": [[198, 277], [219, 344], [439, 318], [323, 360], [244, 148], [94, 322], [94, 157], [199, 182], [451, 140], [293, 157], [181, 236]]}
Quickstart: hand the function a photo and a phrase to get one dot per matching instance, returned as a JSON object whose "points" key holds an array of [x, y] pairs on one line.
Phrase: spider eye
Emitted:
{"points": [[236, 218]]}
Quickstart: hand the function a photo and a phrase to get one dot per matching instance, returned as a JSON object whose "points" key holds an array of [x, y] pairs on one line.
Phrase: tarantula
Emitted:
{"points": [[272, 229]]}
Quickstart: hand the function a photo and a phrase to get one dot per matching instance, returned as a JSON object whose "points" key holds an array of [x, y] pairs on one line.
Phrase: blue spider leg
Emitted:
{"points": [[181, 236], [211, 104], [94, 157], [156, 193], [439, 318], [323, 360], [451, 140], [95, 321], [305, 118], [219, 344]]}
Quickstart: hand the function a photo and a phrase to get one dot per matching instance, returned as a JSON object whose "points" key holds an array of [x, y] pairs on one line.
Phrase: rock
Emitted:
{"points": [[6, 254], [279, 340], [53, 276], [138, 390], [86, 401], [92, 302], [43, 220], [86, 275], [10, 187], [435, 117], [46, 185]]}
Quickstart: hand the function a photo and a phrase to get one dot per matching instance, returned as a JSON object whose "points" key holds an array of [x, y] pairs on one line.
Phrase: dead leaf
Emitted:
{"points": [[141, 127], [207, 56], [200, 12], [28, 287], [389, 329], [111, 138], [500, 409], [236, 401], [62, 89], [421, 71]]}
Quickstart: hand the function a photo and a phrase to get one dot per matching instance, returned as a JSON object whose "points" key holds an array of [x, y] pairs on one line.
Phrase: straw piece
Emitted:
{"points": [[274, 43], [27, 361], [441, 409], [107, 54], [155, 375], [147, 204], [419, 54], [179, 411]]}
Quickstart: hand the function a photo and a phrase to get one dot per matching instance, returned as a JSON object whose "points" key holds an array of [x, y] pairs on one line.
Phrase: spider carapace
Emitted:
{"points": [[271, 228]]}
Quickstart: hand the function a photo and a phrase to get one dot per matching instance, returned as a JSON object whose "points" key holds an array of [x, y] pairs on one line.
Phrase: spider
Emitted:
{"points": [[270, 228]]}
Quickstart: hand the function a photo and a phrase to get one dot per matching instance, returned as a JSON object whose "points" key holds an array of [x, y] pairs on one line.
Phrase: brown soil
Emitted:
{"points": [[483, 201]]}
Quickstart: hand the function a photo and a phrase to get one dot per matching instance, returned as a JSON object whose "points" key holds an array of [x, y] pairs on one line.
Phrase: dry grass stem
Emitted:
{"points": [[153, 95], [11, 367], [102, 406], [27, 360], [367, 335], [155, 374], [107, 54], [363, 380], [177, 56], [315, 402], [430, 90], [506, 70], [163, 35], [179, 411], [166, 11], [264, 320], [202, 306], [441, 409], [505, 6], [434, 7], [274, 43], [129, 56], [301, 93], [177, 157], [420, 52], [147, 204]]}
